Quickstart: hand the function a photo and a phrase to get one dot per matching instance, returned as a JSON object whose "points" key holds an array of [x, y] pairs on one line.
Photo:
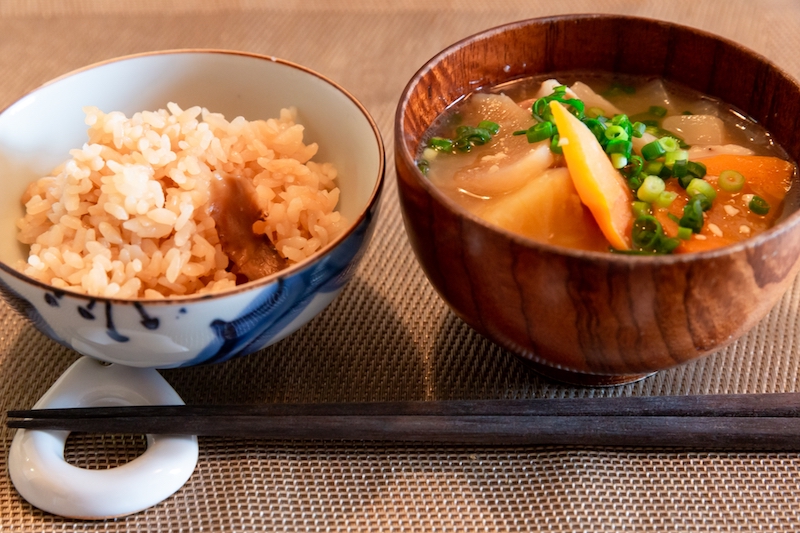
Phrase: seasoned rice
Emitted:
{"points": [[127, 215]]}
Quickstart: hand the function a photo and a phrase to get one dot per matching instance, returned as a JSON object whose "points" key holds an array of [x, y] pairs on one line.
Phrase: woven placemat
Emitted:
{"points": [[389, 336]]}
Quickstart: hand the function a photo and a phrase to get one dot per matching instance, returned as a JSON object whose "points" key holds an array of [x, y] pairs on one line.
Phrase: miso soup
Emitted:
{"points": [[607, 163]]}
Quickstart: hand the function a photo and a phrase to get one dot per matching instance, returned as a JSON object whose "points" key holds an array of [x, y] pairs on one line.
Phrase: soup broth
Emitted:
{"points": [[680, 172]]}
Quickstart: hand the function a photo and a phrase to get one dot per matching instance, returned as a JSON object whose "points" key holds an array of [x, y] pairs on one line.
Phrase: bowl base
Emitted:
{"points": [[581, 379]]}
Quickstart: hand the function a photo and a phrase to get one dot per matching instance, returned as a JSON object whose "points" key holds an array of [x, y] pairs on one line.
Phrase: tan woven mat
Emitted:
{"points": [[389, 337]]}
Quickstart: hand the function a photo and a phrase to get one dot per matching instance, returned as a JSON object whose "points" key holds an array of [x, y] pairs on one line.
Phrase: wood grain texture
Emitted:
{"points": [[603, 317]]}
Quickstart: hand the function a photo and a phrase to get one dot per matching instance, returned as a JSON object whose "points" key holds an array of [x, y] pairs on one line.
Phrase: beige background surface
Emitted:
{"points": [[389, 336]]}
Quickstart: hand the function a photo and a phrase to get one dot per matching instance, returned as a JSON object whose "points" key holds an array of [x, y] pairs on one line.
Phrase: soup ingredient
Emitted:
{"points": [[559, 218], [503, 165], [466, 137], [599, 185], [730, 181], [175, 202], [758, 205], [696, 129], [768, 176]]}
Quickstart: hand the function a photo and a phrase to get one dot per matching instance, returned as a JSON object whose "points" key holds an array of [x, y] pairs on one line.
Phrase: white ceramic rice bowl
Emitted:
{"points": [[37, 132]]}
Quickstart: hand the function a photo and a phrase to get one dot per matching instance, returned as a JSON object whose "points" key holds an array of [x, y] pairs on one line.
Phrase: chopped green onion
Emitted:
{"points": [[651, 189], [656, 131], [684, 233], [466, 137], [540, 132], [668, 144], [685, 180], [615, 132], [693, 214], [640, 209], [621, 120], [680, 168], [638, 129], [597, 128], [696, 169], [595, 112], [677, 155], [618, 146], [618, 161], [731, 181], [440, 144], [653, 150], [758, 205], [492, 127], [653, 168], [555, 147], [648, 235], [657, 110], [634, 182], [645, 232], [666, 198], [634, 167], [423, 166], [699, 186]]}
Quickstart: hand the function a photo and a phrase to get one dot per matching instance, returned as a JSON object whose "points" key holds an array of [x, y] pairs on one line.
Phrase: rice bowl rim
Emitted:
{"points": [[266, 280]]}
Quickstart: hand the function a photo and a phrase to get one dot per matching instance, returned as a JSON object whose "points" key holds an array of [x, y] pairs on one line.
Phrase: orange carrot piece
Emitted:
{"points": [[600, 186], [768, 176]]}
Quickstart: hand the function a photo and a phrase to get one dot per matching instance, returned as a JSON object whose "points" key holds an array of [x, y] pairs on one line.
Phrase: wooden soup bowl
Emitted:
{"points": [[587, 317]]}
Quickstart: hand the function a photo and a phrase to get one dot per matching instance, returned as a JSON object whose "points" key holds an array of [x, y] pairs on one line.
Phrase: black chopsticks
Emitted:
{"points": [[752, 421]]}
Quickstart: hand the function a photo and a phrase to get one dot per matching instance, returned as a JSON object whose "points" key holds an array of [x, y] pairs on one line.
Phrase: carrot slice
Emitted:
{"points": [[600, 186], [768, 176]]}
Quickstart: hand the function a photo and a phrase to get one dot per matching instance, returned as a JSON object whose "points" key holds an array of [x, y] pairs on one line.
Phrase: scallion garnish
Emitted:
{"points": [[639, 209], [616, 133], [657, 110], [731, 181], [618, 160], [491, 127], [634, 167], [666, 198], [466, 137], [440, 144], [698, 186], [669, 144], [653, 150], [598, 128], [693, 214], [654, 168], [619, 146], [696, 169], [595, 112], [555, 145], [680, 168], [539, 132], [648, 236], [651, 189], [758, 205]]}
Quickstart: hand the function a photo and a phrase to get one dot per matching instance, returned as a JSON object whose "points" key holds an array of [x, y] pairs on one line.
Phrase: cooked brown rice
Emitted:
{"points": [[126, 216]]}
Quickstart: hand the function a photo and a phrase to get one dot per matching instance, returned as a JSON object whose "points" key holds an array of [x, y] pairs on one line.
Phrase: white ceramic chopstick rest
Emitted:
{"points": [[41, 475]]}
